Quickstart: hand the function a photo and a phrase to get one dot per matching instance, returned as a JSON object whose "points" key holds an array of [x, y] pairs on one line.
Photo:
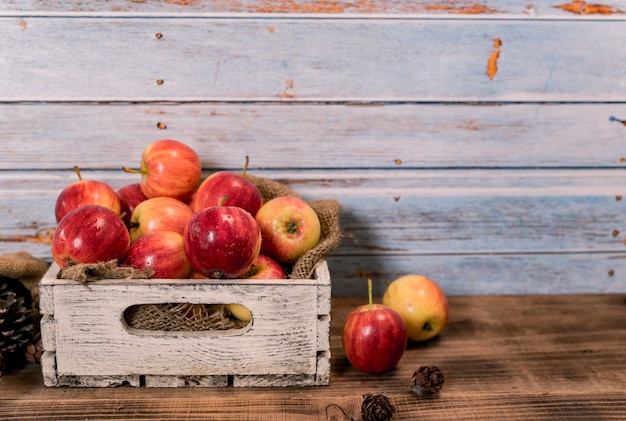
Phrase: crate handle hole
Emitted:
{"points": [[185, 318]]}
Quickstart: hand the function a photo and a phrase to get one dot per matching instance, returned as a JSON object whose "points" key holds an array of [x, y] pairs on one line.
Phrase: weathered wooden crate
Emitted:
{"points": [[88, 344]]}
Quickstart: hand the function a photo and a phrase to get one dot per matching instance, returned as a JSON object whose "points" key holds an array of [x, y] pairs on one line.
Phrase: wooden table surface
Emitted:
{"points": [[504, 358]]}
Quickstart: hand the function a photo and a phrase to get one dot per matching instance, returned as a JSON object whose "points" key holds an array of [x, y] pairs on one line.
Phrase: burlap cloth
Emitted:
{"points": [[194, 317], [26, 268]]}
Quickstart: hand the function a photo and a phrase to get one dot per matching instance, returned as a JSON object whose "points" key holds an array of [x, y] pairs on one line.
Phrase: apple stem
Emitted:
{"points": [[77, 171], [223, 199], [134, 171], [245, 167], [369, 293]]}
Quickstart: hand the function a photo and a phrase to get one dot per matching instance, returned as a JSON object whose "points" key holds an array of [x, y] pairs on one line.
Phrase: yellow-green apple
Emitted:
{"points": [[90, 234], [159, 214], [264, 267], [222, 241], [289, 226], [163, 252], [130, 196], [86, 192], [169, 168], [422, 304], [374, 337], [228, 189]]}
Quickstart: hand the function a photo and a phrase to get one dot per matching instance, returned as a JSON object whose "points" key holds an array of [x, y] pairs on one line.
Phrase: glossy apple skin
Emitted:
{"points": [[162, 251], [130, 196], [233, 189], [289, 227], [264, 267], [170, 168], [159, 214], [90, 234], [422, 304], [374, 340], [86, 192], [222, 241]]}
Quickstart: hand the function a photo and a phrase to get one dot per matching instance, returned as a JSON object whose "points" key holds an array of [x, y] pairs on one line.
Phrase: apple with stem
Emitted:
{"points": [[289, 226], [374, 337], [422, 304], [90, 234], [222, 241], [234, 187], [162, 251], [159, 214], [86, 192], [169, 168]]}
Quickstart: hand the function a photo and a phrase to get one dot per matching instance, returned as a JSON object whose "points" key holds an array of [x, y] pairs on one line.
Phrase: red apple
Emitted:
{"points": [[162, 251], [374, 337], [289, 227], [422, 304], [130, 196], [86, 192], [159, 214], [90, 234], [228, 189], [169, 168], [222, 241], [264, 267]]}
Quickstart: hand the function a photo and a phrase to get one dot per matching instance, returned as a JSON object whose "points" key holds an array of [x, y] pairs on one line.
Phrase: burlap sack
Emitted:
{"points": [[26, 268], [194, 317]]}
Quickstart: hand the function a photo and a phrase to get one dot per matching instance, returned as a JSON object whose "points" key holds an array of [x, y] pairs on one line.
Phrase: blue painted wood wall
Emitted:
{"points": [[480, 144]]}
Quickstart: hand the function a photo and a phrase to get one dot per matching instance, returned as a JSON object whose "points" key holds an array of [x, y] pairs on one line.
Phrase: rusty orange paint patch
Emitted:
{"points": [[319, 6], [580, 7], [289, 92], [43, 236], [492, 62], [469, 9]]}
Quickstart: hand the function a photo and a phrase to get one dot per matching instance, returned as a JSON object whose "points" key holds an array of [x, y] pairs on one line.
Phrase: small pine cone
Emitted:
{"points": [[34, 350], [376, 408], [427, 381]]}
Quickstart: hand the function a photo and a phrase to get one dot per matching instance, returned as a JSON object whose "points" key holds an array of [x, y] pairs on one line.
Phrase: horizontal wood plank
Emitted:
{"points": [[300, 136], [265, 59], [518, 358], [521, 8]]}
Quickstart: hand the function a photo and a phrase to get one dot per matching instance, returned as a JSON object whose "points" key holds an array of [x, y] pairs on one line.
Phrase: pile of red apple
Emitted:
{"points": [[181, 226]]}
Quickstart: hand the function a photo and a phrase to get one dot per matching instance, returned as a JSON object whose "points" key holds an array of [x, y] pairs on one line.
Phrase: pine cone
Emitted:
{"points": [[376, 408], [34, 350], [427, 381], [17, 325]]}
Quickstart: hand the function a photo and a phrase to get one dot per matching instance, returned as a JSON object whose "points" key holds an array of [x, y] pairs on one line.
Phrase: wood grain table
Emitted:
{"points": [[504, 358]]}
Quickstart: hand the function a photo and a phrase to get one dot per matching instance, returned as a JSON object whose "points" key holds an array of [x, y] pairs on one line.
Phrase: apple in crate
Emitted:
{"points": [[228, 189], [162, 251], [264, 267], [86, 192], [90, 234], [374, 337], [422, 304], [130, 196], [289, 226], [222, 241], [159, 214], [169, 168]]}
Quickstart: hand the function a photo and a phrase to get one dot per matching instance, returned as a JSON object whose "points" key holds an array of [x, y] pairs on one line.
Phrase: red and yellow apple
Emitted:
{"points": [[90, 234], [169, 168], [130, 196], [374, 337], [86, 192], [289, 226], [224, 188], [222, 241], [159, 214], [422, 304], [163, 252]]}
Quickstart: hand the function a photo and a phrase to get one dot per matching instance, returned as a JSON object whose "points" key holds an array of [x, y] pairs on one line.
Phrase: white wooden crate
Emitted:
{"points": [[87, 342]]}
